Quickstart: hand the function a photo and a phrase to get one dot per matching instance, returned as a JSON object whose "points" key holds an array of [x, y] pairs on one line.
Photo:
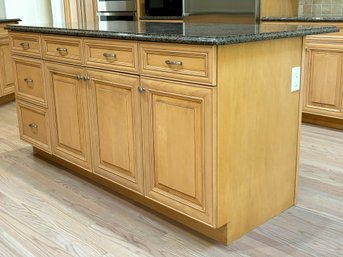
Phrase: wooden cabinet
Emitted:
{"points": [[178, 143], [115, 124], [323, 92], [69, 113]]}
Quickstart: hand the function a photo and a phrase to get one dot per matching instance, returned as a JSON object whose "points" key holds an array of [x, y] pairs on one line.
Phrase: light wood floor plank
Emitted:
{"points": [[47, 211]]}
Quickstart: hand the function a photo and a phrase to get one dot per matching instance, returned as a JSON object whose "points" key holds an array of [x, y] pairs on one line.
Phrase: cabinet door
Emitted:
{"points": [[324, 83], [178, 147], [6, 71], [69, 112], [116, 128]]}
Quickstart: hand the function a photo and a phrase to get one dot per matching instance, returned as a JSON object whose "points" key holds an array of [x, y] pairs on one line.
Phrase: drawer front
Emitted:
{"points": [[114, 55], [34, 125], [181, 62], [66, 49], [30, 80], [25, 44]]}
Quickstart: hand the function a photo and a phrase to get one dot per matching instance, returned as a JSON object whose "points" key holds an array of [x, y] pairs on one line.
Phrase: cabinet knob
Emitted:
{"points": [[62, 51], [28, 81], [141, 89], [25, 45], [176, 63], [110, 55], [86, 78], [33, 125], [79, 77]]}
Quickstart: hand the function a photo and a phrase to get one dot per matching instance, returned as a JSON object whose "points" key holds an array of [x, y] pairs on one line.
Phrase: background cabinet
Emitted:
{"points": [[324, 80]]}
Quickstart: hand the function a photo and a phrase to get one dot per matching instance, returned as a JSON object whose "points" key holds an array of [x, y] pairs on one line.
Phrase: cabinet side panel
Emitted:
{"points": [[258, 129]]}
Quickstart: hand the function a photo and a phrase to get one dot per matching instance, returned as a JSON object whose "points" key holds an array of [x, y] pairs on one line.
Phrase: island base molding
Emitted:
{"points": [[7, 98], [322, 121], [220, 234]]}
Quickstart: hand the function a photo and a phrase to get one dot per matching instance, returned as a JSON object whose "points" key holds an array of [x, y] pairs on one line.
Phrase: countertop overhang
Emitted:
{"points": [[186, 33], [303, 19], [4, 20]]}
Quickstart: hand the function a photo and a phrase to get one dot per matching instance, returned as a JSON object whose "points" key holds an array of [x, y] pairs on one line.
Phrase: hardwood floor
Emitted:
{"points": [[47, 211]]}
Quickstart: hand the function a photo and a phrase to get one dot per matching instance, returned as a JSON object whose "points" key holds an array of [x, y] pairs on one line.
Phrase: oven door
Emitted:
{"points": [[116, 6], [116, 16]]}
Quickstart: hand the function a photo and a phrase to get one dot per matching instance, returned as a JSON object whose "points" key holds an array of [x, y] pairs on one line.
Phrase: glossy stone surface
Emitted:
{"points": [[3, 20], [187, 33], [303, 19]]}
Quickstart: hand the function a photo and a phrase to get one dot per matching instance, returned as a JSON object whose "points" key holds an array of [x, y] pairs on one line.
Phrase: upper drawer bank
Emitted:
{"points": [[26, 44]]}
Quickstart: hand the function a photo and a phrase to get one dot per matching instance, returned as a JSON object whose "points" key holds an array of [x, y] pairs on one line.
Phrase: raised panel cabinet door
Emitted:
{"points": [[324, 83], [115, 127], [178, 147], [69, 112], [7, 70]]}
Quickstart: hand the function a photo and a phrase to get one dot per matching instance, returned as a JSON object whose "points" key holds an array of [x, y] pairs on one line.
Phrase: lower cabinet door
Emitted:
{"points": [[324, 82], [6, 71], [116, 128], [69, 112], [178, 147]]}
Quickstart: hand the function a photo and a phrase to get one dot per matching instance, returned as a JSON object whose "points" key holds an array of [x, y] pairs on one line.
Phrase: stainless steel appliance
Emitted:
{"points": [[109, 10], [163, 7], [234, 7]]}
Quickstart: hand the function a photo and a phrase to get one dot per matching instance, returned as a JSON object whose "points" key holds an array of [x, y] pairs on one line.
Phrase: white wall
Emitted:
{"points": [[30, 12], [2, 9]]}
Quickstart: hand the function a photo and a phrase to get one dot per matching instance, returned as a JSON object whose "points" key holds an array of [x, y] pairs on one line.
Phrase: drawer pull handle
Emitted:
{"points": [[28, 81], [62, 51], [33, 125], [177, 63], [141, 89], [110, 56], [79, 77], [25, 45], [86, 78]]}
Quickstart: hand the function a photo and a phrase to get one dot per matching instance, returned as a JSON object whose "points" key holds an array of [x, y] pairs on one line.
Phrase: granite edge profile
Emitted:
{"points": [[168, 38]]}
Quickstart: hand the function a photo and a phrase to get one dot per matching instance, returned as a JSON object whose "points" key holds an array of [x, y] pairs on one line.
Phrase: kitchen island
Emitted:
{"points": [[6, 72], [196, 121]]}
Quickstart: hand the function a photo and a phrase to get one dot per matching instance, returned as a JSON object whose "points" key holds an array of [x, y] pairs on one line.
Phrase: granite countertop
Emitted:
{"points": [[186, 33], [161, 18], [4, 20], [303, 19]]}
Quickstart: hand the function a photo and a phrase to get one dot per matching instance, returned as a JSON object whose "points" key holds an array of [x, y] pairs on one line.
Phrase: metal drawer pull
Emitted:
{"points": [[86, 78], [141, 89], [33, 125], [79, 77], [109, 55], [25, 45], [62, 51], [28, 81], [169, 62]]}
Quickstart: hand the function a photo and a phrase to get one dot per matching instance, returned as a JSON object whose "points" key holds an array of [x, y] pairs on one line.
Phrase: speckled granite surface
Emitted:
{"points": [[187, 33], [3, 20], [304, 19], [161, 18]]}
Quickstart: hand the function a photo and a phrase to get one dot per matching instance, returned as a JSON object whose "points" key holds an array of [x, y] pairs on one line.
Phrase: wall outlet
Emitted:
{"points": [[296, 75]]}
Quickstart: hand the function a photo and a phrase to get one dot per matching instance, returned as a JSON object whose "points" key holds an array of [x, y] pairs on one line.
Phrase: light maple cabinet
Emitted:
{"points": [[69, 113], [177, 136], [323, 93], [171, 126]]}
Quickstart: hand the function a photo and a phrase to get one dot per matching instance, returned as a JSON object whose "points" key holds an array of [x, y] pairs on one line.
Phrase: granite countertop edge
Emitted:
{"points": [[9, 20], [170, 38], [303, 19]]}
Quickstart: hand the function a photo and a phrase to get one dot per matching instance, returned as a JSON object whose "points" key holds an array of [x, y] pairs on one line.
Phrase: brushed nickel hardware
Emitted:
{"points": [[109, 55], [62, 51], [79, 77], [170, 62], [141, 89], [33, 125], [28, 81], [86, 78], [25, 45]]}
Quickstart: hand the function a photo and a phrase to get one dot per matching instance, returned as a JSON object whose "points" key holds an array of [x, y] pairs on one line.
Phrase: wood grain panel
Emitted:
{"points": [[116, 128], [25, 44], [7, 70], [279, 8], [177, 134]]}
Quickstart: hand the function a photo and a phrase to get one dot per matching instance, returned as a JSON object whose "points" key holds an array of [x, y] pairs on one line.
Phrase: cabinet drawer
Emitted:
{"points": [[25, 44], [117, 55], [66, 49], [30, 80], [34, 125], [188, 63]]}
